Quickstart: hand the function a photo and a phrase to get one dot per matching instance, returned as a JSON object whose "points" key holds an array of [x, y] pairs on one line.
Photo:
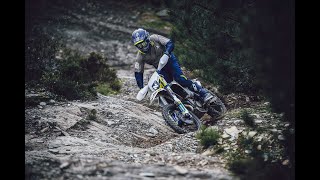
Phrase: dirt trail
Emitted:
{"points": [[61, 143], [114, 137]]}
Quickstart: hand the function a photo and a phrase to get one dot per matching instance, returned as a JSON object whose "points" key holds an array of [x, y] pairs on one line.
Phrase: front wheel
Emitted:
{"points": [[173, 118]]}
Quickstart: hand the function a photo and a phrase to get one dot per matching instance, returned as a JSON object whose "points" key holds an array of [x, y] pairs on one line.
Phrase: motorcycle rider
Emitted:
{"points": [[157, 50]]}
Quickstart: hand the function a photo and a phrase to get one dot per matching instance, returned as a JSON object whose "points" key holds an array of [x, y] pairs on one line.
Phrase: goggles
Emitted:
{"points": [[142, 45]]}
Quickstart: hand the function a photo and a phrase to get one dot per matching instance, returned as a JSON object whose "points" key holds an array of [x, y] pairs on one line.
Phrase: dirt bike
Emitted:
{"points": [[181, 108]]}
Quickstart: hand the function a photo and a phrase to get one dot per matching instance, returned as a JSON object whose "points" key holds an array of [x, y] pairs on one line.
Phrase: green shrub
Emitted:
{"points": [[62, 71], [115, 85], [105, 89], [208, 136], [76, 76], [247, 118], [92, 115]]}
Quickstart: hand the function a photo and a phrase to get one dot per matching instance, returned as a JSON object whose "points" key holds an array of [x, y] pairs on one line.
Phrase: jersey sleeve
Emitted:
{"points": [[160, 39], [139, 64], [166, 42]]}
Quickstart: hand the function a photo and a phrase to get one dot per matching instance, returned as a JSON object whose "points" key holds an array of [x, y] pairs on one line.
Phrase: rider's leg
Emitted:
{"points": [[167, 74], [185, 82]]}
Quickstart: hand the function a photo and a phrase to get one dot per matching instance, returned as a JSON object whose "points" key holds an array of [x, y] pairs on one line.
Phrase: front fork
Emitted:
{"points": [[177, 101]]}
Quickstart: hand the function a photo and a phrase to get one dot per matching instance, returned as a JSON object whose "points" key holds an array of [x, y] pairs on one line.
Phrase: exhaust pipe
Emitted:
{"points": [[189, 107]]}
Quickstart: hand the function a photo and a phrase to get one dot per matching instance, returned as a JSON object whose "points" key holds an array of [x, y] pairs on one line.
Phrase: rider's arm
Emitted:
{"points": [[138, 70], [166, 42], [169, 46]]}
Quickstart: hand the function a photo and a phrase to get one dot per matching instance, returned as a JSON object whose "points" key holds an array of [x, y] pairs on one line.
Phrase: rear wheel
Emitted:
{"points": [[216, 108], [177, 122]]}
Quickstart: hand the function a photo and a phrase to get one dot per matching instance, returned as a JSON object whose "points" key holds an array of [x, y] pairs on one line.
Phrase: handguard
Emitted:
{"points": [[163, 61]]}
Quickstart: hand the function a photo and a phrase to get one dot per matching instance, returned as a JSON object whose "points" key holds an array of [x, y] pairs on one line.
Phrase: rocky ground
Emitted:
{"points": [[117, 137]]}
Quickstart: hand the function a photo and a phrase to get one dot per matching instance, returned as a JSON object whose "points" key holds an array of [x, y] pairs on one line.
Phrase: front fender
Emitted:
{"points": [[154, 95], [142, 93]]}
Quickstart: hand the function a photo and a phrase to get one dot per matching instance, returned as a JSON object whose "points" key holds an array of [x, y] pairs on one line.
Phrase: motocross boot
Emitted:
{"points": [[204, 94], [206, 98]]}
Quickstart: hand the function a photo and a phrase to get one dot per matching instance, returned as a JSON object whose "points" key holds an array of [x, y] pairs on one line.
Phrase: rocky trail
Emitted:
{"points": [[117, 137], [125, 140]]}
